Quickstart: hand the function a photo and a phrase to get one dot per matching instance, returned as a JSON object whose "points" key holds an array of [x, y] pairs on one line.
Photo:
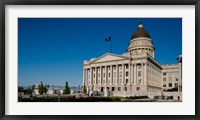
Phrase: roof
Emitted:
{"points": [[140, 32]]}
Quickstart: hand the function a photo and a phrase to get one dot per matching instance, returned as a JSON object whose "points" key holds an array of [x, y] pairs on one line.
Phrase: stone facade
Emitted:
{"points": [[170, 76], [133, 72]]}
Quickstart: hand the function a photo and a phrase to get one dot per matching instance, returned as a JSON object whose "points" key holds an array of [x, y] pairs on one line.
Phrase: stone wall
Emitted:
{"points": [[176, 95], [138, 93]]}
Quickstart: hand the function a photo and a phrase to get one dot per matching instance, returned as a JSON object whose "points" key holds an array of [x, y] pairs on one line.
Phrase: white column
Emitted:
{"points": [[100, 75], [90, 75], [145, 73], [130, 75], [180, 74], [111, 74], [132, 72], [107, 76], [135, 74], [116, 74], [83, 76], [123, 76], [96, 76], [148, 74], [106, 71], [87, 80], [142, 65]]}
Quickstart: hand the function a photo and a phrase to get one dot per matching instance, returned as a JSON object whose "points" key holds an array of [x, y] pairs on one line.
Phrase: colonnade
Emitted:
{"points": [[115, 75]]}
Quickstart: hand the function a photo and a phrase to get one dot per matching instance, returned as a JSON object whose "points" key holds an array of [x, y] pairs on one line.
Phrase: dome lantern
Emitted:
{"points": [[140, 24]]}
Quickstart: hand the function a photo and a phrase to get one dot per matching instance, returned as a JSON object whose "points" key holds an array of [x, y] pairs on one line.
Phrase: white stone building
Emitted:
{"points": [[134, 72], [170, 76]]}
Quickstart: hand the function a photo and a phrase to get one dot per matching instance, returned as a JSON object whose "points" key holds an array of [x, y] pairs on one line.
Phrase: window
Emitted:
{"points": [[102, 89], [113, 88], [176, 79], [126, 80], [170, 84], [139, 73], [107, 88], [164, 73], [164, 79], [125, 88], [118, 88], [138, 88], [126, 66], [139, 66], [126, 73], [164, 85]]}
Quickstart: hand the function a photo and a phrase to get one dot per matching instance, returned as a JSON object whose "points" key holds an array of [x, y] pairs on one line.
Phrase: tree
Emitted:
{"points": [[20, 89], [27, 91], [45, 89], [67, 89], [41, 88]]}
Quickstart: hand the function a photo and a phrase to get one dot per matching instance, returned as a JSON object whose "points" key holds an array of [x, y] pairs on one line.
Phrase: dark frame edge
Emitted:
{"points": [[2, 61], [41, 117], [197, 66], [101, 2]]}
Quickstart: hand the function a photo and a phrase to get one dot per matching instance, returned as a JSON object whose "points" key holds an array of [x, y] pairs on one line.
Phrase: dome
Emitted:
{"points": [[140, 32]]}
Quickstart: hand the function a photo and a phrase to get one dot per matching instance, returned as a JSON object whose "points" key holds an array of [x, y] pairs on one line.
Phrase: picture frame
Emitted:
{"points": [[98, 2]]}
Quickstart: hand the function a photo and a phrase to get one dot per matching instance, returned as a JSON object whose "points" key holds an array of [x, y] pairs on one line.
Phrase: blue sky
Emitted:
{"points": [[52, 50]]}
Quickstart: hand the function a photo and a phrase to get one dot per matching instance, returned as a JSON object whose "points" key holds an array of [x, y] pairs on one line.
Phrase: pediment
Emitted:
{"points": [[109, 57]]}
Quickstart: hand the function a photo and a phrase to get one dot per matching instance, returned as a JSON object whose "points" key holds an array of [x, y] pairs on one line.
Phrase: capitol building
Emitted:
{"points": [[135, 72]]}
